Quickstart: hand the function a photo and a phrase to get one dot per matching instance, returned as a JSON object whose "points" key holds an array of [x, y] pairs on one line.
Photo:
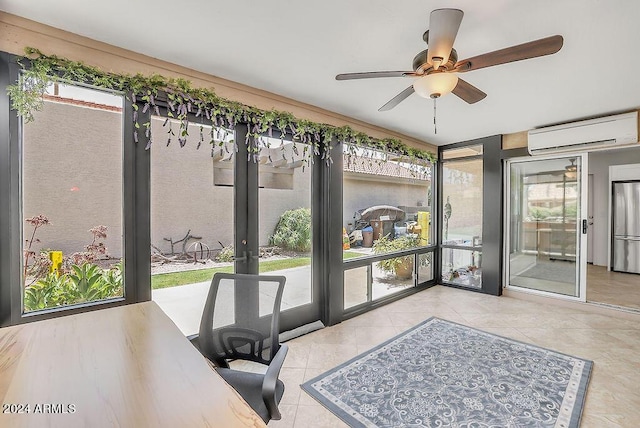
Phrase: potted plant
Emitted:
{"points": [[402, 267]]}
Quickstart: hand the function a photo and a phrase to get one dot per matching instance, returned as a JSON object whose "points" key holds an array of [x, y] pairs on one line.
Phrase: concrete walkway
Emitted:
{"points": [[184, 304]]}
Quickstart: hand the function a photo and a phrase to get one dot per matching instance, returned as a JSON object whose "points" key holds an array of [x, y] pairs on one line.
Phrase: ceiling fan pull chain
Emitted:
{"points": [[435, 128]]}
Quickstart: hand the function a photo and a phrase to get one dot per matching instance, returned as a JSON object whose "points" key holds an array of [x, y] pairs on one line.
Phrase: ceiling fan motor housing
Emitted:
{"points": [[420, 64]]}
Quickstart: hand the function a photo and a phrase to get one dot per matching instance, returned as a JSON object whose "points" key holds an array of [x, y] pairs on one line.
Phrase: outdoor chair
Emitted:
{"points": [[240, 321]]}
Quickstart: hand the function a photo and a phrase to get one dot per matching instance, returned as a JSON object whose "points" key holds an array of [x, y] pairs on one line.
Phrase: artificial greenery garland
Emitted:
{"points": [[183, 101]]}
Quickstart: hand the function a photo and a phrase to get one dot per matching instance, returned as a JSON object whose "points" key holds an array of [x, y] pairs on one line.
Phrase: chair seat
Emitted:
{"points": [[249, 386]]}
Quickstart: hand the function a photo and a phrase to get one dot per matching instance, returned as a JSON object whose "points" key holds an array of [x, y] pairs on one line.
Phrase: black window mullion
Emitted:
{"points": [[136, 206], [10, 235]]}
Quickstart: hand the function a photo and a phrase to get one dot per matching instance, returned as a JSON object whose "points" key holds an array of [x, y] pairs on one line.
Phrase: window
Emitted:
{"points": [[387, 205], [462, 193], [284, 218], [72, 199], [192, 225]]}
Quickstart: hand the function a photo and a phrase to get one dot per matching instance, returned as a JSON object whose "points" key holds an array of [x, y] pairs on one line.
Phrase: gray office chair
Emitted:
{"points": [[240, 321]]}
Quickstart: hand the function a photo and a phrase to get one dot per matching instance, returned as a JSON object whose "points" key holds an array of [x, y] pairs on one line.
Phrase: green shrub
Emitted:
{"points": [[86, 283], [227, 254], [44, 293], [386, 245], [293, 231]]}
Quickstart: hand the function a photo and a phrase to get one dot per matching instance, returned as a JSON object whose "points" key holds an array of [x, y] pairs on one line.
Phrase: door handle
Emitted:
{"points": [[242, 258], [584, 226], [246, 256]]}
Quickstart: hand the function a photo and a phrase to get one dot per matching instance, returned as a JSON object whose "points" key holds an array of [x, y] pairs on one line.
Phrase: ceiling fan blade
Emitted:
{"points": [[397, 99], [373, 74], [467, 92], [443, 28], [536, 48]]}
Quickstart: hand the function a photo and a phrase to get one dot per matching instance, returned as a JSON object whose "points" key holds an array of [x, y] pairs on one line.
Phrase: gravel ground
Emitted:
{"points": [[161, 267]]}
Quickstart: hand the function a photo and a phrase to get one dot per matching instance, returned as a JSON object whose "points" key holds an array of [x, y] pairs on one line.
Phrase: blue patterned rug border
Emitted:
{"points": [[344, 416]]}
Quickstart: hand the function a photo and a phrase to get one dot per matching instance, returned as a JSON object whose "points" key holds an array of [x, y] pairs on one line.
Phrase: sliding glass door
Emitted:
{"points": [[546, 229]]}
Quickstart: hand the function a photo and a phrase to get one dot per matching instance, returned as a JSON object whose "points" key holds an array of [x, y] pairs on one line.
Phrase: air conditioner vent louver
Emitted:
{"points": [[593, 134]]}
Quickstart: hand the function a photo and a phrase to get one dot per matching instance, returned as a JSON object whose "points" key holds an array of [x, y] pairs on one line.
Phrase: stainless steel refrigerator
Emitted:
{"points": [[626, 226]]}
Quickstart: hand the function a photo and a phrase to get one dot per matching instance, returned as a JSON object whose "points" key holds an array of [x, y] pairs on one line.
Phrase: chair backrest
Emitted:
{"points": [[241, 318]]}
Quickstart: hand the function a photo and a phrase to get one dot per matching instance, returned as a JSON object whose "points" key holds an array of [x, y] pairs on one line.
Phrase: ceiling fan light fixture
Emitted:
{"points": [[435, 85], [571, 170]]}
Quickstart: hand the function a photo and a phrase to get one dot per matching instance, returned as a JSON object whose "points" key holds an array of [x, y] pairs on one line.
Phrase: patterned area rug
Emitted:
{"points": [[443, 374]]}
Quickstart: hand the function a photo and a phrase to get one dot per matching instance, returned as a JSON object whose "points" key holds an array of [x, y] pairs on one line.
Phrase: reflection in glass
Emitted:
{"points": [[425, 267], [463, 152], [462, 267], [544, 213], [355, 286], [462, 198], [462, 190]]}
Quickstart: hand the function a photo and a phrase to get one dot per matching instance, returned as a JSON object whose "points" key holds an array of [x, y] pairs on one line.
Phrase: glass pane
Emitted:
{"points": [[425, 267], [387, 203], [267, 298], [462, 267], [72, 199], [544, 225], [224, 312], [462, 152], [392, 275], [285, 218], [192, 227], [462, 198], [355, 286]]}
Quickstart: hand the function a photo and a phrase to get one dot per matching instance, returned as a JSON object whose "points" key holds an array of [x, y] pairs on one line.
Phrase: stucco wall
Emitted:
{"points": [[360, 193], [183, 196], [73, 174]]}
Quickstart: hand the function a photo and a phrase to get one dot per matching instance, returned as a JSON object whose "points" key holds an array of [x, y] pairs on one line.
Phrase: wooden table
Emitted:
{"points": [[128, 366]]}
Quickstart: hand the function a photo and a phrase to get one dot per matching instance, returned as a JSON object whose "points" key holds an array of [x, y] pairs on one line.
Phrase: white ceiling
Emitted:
{"points": [[295, 49]]}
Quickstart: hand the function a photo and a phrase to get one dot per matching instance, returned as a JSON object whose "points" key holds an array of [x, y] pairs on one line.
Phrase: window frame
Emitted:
{"points": [[369, 260], [135, 213], [492, 233]]}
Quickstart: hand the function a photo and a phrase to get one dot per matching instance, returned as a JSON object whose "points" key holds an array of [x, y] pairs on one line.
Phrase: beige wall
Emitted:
{"points": [[63, 153], [183, 196], [73, 175], [364, 192]]}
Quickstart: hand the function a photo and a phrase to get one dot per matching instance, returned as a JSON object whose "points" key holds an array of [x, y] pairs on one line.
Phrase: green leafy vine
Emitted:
{"points": [[183, 101]]}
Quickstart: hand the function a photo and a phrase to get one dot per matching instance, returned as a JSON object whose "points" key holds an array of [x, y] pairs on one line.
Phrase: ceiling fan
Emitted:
{"points": [[436, 68]]}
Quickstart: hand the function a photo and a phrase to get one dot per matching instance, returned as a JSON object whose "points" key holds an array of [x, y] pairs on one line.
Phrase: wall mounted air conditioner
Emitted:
{"points": [[586, 135]]}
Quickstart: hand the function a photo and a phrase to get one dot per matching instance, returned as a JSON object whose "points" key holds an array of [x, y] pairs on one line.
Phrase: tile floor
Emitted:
{"points": [[613, 288], [612, 342]]}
